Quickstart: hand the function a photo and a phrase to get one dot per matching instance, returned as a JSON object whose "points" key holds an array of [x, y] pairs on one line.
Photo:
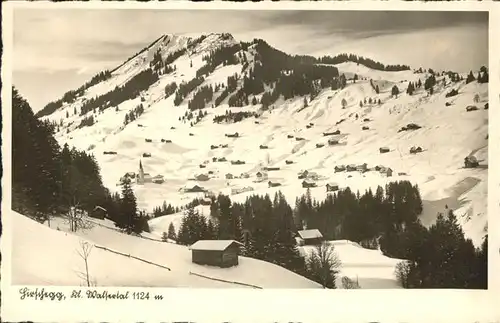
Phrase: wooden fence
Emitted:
{"points": [[225, 281], [134, 257]]}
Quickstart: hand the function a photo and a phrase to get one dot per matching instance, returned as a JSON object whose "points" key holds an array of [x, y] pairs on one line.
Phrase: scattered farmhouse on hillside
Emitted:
{"points": [[229, 176], [261, 176], [332, 187], [220, 253], [470, 162], [309, 237], [194, 189], [235, 191], [308, 183], [99, 213], [158, 179], [206, 201], [202, 177]]}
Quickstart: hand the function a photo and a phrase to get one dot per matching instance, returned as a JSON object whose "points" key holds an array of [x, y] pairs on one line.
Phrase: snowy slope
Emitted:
{"points": [[448, 134], [52, 259], [370, 268]]}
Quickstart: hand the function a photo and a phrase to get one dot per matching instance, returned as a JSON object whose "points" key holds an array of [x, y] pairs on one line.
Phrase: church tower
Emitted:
{"points": [[140, 176]]}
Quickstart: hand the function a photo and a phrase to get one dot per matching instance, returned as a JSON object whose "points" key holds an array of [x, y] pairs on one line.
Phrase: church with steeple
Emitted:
{"points": [[140, 175]]}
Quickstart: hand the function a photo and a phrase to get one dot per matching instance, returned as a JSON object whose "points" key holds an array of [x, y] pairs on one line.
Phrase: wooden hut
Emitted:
{"points": [[99, 213], [470, 162], [220, 253], [308, 183], [310, 237], [384, 150], [332, 187]]}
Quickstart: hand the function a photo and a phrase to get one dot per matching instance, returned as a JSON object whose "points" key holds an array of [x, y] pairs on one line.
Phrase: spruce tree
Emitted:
{"points": [[128, 208], [171, 232]]}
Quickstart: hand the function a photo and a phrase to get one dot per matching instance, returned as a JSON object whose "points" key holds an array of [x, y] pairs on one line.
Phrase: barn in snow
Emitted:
{"points": [[310, 237], [220, 253], [99, 213]]}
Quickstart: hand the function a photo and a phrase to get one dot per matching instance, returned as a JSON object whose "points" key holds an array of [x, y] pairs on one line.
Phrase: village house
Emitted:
{"points": [[158, 179], [202, 177], [261, 176], [229, 176], [194, 189], [384, 150], [219, 253], [333, 142], [303, 174], [362, 168], [351, 168], [389, 172], [206, 201], [271, 184], [235, 191], [245, 175], [332, 187], [308, 183], [470, 162], [310, 237], [99, 213], [339, 168]]}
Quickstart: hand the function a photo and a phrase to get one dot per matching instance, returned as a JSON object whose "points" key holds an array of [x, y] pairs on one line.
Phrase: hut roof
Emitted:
{"points": [[310, 234], [215, 245]]}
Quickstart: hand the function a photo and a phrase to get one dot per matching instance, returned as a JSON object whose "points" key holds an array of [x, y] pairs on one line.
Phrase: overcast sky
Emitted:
{"points": [[58, 49]]}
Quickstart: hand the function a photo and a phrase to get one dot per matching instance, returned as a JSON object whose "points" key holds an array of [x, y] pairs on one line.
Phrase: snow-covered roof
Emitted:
{"points": [[100, 208], [217, 245], [310, 234]]}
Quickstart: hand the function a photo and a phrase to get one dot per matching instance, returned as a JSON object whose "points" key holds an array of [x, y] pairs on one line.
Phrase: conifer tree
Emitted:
{"points": [[171, 232]]}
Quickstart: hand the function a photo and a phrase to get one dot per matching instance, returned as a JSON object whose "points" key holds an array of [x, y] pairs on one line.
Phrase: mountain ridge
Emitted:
{"points": [[194, 92]]}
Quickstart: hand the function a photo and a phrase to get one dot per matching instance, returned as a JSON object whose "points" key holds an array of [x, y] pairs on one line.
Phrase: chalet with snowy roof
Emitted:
{"points": [[99, 213], [220, 253], [362, 168], [310, 237], [470, 162], [158, 179], [332, 187], [261, 176], [194, 189], [303, 174], [206, 201], [308, 183], [202, 177]]}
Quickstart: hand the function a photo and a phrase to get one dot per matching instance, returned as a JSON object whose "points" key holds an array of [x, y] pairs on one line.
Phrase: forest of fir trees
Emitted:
{"points": [[50, 181], [436, 257]]}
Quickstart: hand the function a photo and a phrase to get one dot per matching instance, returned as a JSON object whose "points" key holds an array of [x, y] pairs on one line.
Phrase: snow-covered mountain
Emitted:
{"points": [[447, 135]]}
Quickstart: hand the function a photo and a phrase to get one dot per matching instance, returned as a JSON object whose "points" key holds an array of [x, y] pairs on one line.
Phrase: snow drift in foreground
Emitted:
{"points": [[369, 268], [52, 259]]}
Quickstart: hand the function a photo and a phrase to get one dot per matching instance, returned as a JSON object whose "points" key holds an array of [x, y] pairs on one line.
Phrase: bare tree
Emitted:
{"points": [[323, 265], [84, 253], [348, 283], [77, 218]]}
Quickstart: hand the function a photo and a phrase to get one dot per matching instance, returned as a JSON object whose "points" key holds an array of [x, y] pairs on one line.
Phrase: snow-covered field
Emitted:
{"points": [[447, 136], [52, 259]]}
